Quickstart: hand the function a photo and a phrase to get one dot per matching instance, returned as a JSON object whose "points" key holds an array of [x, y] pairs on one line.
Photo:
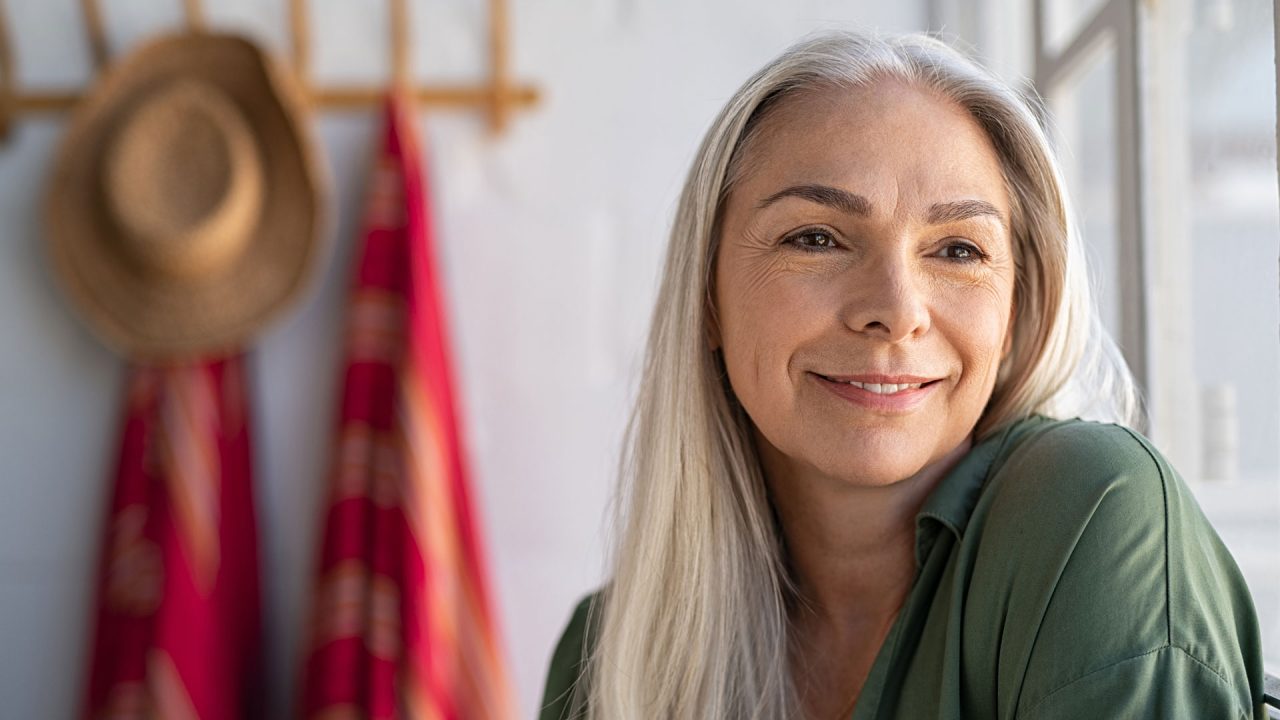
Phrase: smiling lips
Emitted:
{"points": [[884, 393], [882, 384]]}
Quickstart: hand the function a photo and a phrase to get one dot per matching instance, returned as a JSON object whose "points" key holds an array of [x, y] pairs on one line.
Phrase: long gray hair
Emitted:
{"points": [[694, 623]]}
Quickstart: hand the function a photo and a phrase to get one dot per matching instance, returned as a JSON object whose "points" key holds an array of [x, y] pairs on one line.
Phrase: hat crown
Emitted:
{"points": [[183, 180]]}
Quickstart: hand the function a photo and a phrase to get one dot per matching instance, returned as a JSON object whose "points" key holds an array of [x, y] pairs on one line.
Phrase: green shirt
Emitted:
{"points": [[1064, 570]]}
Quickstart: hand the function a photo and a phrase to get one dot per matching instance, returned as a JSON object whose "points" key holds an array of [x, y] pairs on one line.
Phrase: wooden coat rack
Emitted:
{"points": [[498, 97]]}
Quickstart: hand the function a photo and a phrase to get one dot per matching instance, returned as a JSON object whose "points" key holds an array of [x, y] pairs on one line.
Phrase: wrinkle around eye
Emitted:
{"points": [[751, 237], [990, 275], [759, 261]]}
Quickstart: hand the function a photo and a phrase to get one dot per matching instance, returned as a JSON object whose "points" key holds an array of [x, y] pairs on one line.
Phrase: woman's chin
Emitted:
{"points": [[885, 455]]}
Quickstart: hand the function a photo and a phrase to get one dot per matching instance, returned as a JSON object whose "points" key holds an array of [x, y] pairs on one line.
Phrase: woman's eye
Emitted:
{"points": [[963, 252], [812, 240]]}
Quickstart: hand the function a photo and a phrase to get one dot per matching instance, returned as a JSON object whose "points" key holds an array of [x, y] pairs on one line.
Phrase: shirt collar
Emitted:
{"points": [[951, 503]]}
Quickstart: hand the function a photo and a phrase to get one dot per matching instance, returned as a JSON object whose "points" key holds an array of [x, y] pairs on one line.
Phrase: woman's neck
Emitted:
{"points": [[851, 551], [851, 547]]}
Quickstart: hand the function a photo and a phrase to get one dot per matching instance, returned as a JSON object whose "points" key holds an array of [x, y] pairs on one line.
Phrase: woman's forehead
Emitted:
{"points": [[888, 142]]}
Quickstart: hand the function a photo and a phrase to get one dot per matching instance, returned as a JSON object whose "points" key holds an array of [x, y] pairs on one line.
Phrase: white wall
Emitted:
{"points": [[550, 238]]}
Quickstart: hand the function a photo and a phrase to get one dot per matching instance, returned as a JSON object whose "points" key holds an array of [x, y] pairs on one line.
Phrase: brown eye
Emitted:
{"points": [[962, 252], [812, 240]]}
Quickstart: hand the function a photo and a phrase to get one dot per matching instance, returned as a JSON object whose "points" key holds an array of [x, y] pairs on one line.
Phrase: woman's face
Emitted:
{"points": [[867, 244]]}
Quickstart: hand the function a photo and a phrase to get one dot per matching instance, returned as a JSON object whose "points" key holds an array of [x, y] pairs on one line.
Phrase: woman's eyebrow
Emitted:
{"points": [[854, 204], [957, 210], [842, 200]]}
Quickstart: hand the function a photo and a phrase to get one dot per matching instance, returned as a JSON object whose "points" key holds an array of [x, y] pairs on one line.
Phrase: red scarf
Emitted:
{"points": [[402, 626], [177, 631]]}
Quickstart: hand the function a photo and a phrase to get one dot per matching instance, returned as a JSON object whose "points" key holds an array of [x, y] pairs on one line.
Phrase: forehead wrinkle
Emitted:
{"points": [[828, 108]]}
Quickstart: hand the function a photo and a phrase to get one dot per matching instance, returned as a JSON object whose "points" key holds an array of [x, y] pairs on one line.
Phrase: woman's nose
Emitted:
{"points": [[887, 301]]}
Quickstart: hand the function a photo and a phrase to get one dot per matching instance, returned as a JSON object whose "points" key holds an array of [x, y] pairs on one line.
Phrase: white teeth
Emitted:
{"points": [[885, 388]]}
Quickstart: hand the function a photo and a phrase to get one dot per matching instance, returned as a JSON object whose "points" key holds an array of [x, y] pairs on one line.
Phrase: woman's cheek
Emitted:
{"points": [[977, 318]]}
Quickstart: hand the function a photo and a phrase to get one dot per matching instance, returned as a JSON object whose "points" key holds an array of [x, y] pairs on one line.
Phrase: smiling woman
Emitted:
{"points": [[857, 484]]}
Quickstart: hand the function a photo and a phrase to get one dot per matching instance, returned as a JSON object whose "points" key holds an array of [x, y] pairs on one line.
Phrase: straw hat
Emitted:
{"points": [[184, 206]]}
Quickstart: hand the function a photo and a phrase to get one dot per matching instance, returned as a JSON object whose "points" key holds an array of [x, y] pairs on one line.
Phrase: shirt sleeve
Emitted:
{"points": [[1124, 602], [559, 699], [1165, 684]]}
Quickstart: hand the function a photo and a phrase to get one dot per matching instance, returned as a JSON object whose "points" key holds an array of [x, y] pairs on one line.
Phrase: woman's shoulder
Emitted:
{"points": [[1060, 491], [1076, 487], [562, 698], [1098, 453], [1105, 558], [1101, 496], [1055, 476]]}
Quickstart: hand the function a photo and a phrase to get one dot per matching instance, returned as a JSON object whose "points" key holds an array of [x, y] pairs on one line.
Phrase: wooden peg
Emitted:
{"points": [[399, 45], [195, 15], [500, 96], [300, 31], [96, 33]]}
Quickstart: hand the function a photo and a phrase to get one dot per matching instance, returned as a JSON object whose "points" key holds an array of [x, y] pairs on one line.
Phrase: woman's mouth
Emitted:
{"points": [[886, 394]]}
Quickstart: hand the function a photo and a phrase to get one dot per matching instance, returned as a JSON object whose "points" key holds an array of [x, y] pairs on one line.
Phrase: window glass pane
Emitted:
{"points": [[1235, 221]]}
